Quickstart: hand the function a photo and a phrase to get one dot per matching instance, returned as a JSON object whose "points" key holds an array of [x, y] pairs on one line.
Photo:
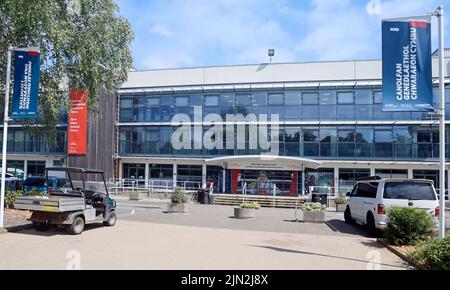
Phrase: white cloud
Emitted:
{"points": [[161, 30], [176, 33]]}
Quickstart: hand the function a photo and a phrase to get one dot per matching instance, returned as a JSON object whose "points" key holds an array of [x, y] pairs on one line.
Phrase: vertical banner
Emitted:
{"points": [[26, 83], [407, 75], [77, 127]]}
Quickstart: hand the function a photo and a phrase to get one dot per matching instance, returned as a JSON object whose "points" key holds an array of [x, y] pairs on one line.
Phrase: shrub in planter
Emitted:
{"points": [[178, 199], [314, 212], [340, 201], [10, 196], [433, 254], [246, 210], [407, 226]]}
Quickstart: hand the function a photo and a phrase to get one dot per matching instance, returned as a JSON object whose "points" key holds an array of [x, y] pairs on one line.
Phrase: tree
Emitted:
{"points": [[84, 44]]}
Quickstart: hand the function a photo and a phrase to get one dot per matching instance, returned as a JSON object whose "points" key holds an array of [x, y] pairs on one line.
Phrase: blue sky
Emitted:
{"points": [[186, 33]]}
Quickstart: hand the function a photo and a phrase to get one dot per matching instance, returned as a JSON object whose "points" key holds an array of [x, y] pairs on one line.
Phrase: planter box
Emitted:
{"points": [[244, 213], [134, 195], [314, 216], [176, 208], [340, 207]]}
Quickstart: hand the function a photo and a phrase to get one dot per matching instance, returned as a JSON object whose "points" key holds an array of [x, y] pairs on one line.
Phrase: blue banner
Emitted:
{"points": [[407, 75], [26, 83]]}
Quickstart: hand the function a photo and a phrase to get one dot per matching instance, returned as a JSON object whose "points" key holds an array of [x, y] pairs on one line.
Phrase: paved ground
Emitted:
{"points": [[217, 216], [141, 245], [205, 238]]}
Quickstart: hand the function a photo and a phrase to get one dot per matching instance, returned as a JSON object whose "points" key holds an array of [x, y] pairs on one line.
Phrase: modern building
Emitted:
{"points": [[332, 127], [328, 115]]}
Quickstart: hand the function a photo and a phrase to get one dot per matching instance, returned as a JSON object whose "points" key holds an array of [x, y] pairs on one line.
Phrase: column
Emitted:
{"points": [[147, 174], [174, 175], [336, 180], [224, 180], [410, 173], [303, 182], [372, 171], [25, 169], [203, 175]]}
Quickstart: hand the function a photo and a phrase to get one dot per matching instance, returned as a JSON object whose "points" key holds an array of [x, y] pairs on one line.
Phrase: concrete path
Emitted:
{"points": [[146, 245]]}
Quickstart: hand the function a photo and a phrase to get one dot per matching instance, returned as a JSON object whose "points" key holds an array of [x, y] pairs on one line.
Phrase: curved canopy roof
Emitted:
{"points": [[260, 162]]}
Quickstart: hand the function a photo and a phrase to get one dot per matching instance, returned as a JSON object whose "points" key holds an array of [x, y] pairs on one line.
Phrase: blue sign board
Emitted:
{"points": [[26, 83], [407, 76]]}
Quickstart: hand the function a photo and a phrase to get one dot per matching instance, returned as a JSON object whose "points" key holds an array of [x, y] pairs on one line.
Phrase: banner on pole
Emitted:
{"points": [[77, 128], [407, 75], [26, 83]]}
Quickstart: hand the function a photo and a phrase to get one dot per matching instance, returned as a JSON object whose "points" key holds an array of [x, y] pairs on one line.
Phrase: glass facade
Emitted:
{"points": [[21, 141], [331, 123]]}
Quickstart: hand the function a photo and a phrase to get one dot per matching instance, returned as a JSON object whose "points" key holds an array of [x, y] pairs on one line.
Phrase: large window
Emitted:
{"points": [[35, 168], [276, 99], [181, 101], [211, 101], [310, 98], [349, 177], [345, 98]]}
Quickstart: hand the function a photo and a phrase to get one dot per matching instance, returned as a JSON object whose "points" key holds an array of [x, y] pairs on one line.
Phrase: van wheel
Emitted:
{"points": [[371, 228], [348, 216], [41, 227], [112, 219], [76, 227]]}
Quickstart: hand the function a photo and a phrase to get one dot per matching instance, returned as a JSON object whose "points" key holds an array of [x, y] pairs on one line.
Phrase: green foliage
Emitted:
{"points": [[434, 254], [178, 196], [407, 226], [11, 195], [341, 199], [312, 206], [35, 192], [84, 41], [250, 205]]}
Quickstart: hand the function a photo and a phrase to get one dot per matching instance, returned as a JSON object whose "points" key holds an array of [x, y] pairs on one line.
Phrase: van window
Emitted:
{"points": [[367, 190], [409, 190]]}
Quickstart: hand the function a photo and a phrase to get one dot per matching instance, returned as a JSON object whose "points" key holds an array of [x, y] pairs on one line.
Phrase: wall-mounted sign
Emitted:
{"points": [[77, 127], [407, 76], [26, 83]]}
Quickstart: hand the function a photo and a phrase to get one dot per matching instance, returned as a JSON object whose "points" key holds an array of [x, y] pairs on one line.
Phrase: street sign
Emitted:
{"points": [[26, 83], [407, 75]]}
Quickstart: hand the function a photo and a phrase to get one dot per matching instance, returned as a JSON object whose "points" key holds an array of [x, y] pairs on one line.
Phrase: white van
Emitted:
{"points": [[368, 201]]}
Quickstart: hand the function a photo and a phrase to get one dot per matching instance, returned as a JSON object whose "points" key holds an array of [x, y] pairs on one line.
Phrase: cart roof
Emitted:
{"points": [[74, 169]]}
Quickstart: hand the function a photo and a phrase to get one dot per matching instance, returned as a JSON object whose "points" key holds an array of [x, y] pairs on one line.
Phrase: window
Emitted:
{"points": [[367, 190], [35, 168], [310, 98], [181, 101], [259, 99], [377, 97], [345, 98], [327, 97], [211, 101], [153, 101], [243, 100], [364, 97], [391, 173], [409, 191], [276, 99], [292, 99]]}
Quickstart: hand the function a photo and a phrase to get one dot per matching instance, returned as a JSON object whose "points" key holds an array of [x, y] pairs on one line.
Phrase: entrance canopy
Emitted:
{"points": [[264, 162]]}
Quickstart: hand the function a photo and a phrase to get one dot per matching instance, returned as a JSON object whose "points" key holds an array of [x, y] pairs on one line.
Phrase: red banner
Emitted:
{"points": [[77, 127]]}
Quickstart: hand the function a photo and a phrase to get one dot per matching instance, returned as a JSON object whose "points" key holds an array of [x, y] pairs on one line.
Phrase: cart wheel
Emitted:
{"points": [[41, 227], [112, 219], [76, 227]]}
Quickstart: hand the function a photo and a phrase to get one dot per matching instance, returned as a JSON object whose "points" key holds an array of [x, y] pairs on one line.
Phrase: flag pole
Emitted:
{"points": [[5, 136], [440, 15]]}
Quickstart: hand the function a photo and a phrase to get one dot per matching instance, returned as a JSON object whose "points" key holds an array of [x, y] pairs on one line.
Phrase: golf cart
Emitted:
{"points": [[70, 206]]}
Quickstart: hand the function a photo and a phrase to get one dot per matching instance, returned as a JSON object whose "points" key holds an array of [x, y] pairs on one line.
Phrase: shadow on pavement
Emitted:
{"points": [[323, 255], [53, 231], [349, 229]]}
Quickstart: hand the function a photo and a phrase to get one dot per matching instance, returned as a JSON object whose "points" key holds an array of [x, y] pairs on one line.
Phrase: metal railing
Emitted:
{"points": [[150, 187]]}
